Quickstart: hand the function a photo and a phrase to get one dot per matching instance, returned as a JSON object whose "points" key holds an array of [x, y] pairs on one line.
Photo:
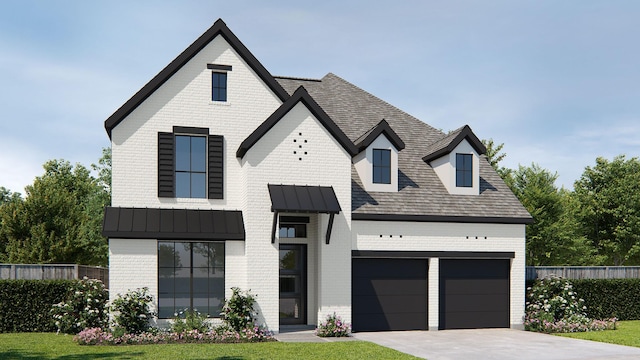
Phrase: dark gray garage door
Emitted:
{"points": [[389, 294], [474, 293]]}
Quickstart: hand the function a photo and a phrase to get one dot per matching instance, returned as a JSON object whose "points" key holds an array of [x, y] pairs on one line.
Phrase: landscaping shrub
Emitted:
{"points": [[189, 320], [238, 310], [25, 305], [554, 306], [333, 326], [607, 298], [84, 307], [131, 311]]}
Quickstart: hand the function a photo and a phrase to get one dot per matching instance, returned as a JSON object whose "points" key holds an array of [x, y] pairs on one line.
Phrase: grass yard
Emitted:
{"points": [[52, 346], [628, 333]]}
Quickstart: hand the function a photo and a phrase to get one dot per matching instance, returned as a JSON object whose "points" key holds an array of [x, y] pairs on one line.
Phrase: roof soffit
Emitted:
{"points": [[218, 28]]}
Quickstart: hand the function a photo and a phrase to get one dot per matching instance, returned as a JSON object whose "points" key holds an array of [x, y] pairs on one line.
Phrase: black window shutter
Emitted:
{"points": [[216, 166], [166, 186]]}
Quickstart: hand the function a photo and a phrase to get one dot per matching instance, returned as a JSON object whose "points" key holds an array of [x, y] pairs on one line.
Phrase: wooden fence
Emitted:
{"points": [[53, 271], [584, 272]]}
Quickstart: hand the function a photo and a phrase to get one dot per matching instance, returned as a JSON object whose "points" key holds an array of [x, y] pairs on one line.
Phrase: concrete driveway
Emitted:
{"points": [[496, 344]]}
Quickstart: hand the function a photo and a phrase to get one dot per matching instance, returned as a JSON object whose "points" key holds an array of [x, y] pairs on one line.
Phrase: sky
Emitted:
{"points": [[558, 82]]}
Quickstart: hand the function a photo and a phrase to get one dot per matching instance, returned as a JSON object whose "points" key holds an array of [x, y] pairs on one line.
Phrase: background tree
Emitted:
{"points": [[495, 156], [607, 198], [552, 239], [59, 220]]}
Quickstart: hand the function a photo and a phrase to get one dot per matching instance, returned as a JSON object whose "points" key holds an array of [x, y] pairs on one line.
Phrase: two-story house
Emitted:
{"points": [[313, 193]]}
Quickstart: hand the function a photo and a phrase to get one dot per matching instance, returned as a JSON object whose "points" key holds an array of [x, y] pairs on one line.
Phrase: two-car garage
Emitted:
{"points": [[390, 290]]}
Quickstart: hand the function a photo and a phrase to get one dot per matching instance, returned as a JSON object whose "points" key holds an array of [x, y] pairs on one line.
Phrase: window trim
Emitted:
{"points": [[380, 166], [190, 171], [463, 170], [214, 86]]}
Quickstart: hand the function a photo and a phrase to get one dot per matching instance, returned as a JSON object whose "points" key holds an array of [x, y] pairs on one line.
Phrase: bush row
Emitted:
{"points": [[608, 298], [25, 305]]}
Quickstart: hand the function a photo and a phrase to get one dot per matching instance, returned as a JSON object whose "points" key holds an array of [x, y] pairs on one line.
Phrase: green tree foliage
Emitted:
{"points": [[58, 221], [607, 198], [495, 155], [552, 238]]}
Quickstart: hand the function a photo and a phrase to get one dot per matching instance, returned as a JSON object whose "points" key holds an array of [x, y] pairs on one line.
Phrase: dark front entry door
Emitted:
{"points": [[293, 287]]}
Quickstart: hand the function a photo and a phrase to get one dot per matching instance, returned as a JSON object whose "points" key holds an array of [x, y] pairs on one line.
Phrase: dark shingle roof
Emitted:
{"points": [[421, 193]]}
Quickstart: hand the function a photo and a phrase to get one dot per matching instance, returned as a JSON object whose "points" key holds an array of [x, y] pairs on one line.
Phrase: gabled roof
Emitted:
{"points": [[218, 28], [448, 143], [300, 95], [381, 128]]}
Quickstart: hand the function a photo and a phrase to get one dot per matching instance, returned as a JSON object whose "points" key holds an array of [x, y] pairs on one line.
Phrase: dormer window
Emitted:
{"points": [[219, 82], [381, 166], [464, 170]]}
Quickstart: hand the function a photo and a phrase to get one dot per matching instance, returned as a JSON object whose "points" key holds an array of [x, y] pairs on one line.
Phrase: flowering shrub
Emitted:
{"points": [[97, 336], [553, 306], [188, 320], [238, 310], [131, 312], [85, 307], [333, 326]]}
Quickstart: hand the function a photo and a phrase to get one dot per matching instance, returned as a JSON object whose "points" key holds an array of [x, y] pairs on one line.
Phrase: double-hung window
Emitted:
{"points": [[381, 166], [190, 276], [464, 170], [191, 168]]}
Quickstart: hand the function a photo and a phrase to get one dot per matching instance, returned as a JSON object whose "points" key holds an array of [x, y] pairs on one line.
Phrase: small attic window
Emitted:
{"points": [[219, 81], [464, 170], [381, 166]]}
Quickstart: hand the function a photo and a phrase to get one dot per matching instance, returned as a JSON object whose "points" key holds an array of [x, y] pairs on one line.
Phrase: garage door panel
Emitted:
{"points": [[477, 320], [487, 302], [474, 293], [389, 294], [389, 269], [482, 268], [389, 304], [476, 286], [368, 286], [389, 322]]}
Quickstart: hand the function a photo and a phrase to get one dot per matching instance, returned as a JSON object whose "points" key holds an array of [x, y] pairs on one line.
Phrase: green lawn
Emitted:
{"points": [[52, 346], [628, 333]]}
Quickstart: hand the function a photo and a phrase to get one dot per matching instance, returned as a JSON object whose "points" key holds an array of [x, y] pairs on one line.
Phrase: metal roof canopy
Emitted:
{"points": [[172, 224], [303, 199]]}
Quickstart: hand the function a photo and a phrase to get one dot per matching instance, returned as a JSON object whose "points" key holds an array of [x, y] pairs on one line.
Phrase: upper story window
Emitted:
{"points": [[381, 166], [219, 81], [464, 170], [191, 170]]}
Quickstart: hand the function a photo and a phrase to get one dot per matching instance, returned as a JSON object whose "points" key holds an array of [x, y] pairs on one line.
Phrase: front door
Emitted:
{"points": [[293, 287]]}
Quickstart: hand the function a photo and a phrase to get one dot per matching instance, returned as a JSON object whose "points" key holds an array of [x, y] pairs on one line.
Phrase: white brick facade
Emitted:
{"points": [[297, 150]]}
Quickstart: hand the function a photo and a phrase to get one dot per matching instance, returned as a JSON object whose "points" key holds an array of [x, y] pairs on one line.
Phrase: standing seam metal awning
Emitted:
{"points": [[172, 224], [303, 199]]}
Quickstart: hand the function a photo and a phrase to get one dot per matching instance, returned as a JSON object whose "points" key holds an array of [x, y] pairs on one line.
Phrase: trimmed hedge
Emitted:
{"points": [[607, 298], [25, 305]]}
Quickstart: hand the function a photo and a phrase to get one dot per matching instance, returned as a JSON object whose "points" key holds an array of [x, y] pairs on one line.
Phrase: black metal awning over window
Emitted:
{"points": [[303, 199], [172, 224]]}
